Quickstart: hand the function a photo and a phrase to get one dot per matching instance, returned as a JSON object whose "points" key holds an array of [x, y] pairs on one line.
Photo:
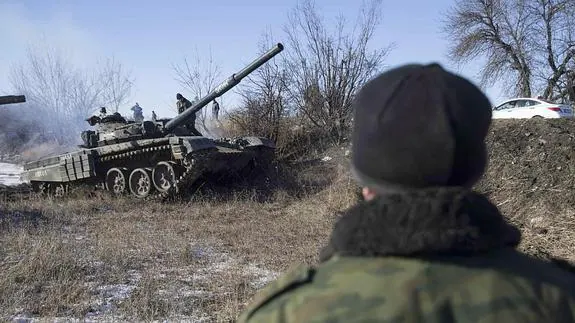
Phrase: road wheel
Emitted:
{"points": [[164, 175], [140, 182], [40, 188], [116, 181], [59, 190], [537, 117]]}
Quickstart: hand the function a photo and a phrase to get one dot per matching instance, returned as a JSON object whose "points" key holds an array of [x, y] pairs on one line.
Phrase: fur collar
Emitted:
{"points": [[432, 222]]}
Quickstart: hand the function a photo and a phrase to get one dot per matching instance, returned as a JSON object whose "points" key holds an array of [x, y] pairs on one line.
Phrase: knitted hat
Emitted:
{"points": [[419, 126]]}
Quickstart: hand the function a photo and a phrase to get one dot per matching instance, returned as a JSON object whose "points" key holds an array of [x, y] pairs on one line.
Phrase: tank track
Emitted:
{"points": [[193, 169]]}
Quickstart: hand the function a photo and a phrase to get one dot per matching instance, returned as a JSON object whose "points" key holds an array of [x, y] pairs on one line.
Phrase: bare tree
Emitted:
{"points": [[60, 94], [200, 77], [333, 64], [526, 44], [555, 26], [264, 96], [116, 84]]}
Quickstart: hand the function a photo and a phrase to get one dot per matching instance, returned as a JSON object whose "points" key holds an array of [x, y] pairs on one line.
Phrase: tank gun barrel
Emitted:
{"points": [[223, 87], [11, 99]]}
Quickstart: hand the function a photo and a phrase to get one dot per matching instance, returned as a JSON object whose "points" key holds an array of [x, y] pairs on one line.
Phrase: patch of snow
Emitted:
{"points": [[116, 292], [109, 295], [21, 318], [191, 287], [10, 174], [326, 158], [262, 276]]}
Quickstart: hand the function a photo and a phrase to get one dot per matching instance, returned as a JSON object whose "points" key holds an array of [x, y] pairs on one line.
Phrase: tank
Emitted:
{"points": [[157, 157], [11, 99]]}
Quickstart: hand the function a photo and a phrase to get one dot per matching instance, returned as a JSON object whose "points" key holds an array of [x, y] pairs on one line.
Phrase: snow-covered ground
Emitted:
{"points": [[10, 174], [106, 298]]}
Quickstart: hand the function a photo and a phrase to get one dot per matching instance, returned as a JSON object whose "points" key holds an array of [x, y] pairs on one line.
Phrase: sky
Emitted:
{"points": [[150, 37]]}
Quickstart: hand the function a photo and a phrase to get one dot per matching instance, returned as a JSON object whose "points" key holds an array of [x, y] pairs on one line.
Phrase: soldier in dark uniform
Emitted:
{"points": [[183, 104], [138, 115], [103, 112], [215, 109], [422, 246]]}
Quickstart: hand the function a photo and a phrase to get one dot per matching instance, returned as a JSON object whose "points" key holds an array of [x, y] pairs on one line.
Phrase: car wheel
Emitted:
{"points": [[537, 117]]}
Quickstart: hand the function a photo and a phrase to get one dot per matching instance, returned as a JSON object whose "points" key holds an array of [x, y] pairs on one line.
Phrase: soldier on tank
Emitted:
{"points": [[215, 109], [421, 246], [138, 114], [103, 112], [183, 104]]}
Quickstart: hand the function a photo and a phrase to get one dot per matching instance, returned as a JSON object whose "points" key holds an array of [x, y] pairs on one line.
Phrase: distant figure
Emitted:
{"points": [[154, 117], [215, 109], [183, 104], [103, 112], [138, 115]]}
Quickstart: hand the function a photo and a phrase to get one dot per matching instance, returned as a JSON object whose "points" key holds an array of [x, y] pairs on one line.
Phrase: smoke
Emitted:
{"points": [[28, 132], [212, 128]]}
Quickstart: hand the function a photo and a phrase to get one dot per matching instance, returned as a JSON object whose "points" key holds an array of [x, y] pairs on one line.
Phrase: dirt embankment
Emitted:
{"points": [[531, 177]]}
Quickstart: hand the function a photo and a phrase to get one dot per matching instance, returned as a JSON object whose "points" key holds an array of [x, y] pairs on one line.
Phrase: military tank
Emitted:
{"points": [[158, 157], [12, 99]]}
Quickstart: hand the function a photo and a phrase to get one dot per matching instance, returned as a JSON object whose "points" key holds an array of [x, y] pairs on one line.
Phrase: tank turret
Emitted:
{"points": [[12, 99], [114, 128]]}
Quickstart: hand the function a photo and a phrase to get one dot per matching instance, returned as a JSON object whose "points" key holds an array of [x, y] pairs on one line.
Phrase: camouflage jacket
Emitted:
{"points": [[436, 256]]}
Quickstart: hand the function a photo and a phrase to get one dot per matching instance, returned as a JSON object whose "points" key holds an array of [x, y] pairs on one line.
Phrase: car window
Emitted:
{"points": [[526, 103], [531, 103], [507, 105]]}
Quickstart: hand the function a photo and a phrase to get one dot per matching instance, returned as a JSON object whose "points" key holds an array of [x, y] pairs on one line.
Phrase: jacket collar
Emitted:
{"points": [[431, 222]]}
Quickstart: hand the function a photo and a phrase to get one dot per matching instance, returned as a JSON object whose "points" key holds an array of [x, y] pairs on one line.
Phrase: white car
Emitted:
{"points": [[525, 108]]}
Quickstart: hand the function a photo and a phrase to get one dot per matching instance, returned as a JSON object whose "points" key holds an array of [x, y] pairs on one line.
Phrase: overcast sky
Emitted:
{"points": [[148, 37]]}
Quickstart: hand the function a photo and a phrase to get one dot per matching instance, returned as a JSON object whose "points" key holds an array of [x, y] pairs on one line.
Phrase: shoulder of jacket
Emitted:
{"points": [[293, 278]]}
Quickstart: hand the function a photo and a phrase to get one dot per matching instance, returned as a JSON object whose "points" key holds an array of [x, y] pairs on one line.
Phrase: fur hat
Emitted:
{"points": [[419, 126]]}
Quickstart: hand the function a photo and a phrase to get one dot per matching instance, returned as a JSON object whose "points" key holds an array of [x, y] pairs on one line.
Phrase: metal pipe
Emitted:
{"points": [[11, 99], [223, 87]]}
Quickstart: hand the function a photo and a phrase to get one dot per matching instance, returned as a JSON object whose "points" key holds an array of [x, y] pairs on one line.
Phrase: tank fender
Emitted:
{"points": [[182, 146], [253, 141]]}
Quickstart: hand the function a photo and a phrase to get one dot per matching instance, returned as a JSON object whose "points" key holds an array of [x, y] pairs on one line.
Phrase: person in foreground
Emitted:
{"points": [[422, 246]]}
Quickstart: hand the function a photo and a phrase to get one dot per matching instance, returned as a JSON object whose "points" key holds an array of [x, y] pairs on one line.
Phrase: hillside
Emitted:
{"points": [[203, 258], [531, 177]]}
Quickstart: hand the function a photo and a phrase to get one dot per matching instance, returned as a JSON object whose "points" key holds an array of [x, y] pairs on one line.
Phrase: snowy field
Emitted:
{"points": [[10, 174]]}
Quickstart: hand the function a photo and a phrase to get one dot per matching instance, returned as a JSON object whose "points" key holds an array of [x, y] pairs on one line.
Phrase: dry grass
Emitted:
{"points": [[106, 258], [204, 258]]}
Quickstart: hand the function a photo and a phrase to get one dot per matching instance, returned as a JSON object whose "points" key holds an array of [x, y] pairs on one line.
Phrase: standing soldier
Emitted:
{"points": [[422, 246], [103, 112], [215, 109], [183, 104], [138, 115]]}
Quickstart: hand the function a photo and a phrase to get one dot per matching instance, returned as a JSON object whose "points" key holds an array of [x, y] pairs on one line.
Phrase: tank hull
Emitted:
{"points": [[148, 166]]}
